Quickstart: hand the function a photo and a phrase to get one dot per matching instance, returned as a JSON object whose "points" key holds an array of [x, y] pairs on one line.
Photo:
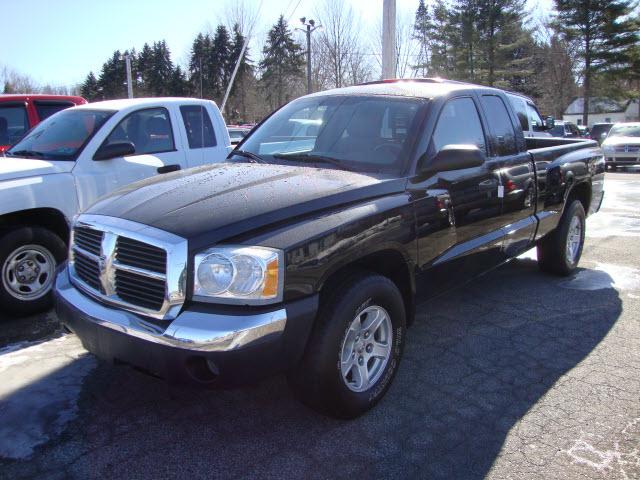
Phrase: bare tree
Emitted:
{"points": [[339, 52], [407, 48]]}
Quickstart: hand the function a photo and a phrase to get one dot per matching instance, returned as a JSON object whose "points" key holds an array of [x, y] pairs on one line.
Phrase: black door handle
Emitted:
{"points": [[169, 168]]}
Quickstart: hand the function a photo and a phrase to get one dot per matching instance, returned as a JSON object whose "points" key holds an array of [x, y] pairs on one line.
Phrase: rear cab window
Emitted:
{"points": [[13, 123], [46, 108], [197, 123], [503, 134], [520, 106], [534, 117]]}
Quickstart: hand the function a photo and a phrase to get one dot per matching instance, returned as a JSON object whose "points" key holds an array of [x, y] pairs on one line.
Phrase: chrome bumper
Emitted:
{"points": [[193, 331]]}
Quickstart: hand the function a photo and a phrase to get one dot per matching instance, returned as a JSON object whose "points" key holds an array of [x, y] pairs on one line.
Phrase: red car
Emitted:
{"points": [[19, 113]]}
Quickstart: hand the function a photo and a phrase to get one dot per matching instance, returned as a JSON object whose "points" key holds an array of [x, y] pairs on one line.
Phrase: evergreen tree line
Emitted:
{"points": [[593, 43], [212, 60], [589, 47]]}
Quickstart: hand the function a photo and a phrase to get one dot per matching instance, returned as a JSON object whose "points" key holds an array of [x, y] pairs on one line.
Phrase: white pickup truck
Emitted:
{"points": [[75, 157]]}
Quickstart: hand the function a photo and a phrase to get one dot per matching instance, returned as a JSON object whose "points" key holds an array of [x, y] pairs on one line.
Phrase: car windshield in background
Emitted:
{"points": [[357, 133], [61, 136], [625, 131]]}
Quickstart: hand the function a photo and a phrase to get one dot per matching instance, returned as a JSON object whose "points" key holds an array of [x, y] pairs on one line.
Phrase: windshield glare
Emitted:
{"points": [[61, 136], [360, 133], [625, 131]]}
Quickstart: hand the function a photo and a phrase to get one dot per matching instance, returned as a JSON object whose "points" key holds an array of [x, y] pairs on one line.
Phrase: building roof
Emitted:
{"points": [[597, 105]]}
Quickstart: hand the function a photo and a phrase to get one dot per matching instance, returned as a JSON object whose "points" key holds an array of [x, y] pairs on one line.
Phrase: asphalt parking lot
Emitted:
{"points": [[516, 375]]}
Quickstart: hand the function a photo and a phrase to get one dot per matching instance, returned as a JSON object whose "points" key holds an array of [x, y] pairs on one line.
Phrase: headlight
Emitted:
{"points": [[608, 148], [239, 274]]}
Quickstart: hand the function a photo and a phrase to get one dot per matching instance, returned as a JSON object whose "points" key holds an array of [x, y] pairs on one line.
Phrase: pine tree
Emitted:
{"points": [[90, 89], [442, 41], [423, 32], [198, 72], [606, 34], [245, 69], [112, 79], [282, 64], [219, 61]]}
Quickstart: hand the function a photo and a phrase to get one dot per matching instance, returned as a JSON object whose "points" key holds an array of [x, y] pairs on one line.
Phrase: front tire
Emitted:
{"points": [[355, 348], [28, 260], [560, 251]]}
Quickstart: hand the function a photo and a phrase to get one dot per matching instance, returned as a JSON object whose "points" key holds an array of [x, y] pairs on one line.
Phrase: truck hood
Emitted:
{"points": [[212, 203], [613, 141], [12, 168]]}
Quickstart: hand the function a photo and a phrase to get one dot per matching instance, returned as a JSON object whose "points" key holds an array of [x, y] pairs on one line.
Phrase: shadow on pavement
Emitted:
{"points": [[476, 360]]}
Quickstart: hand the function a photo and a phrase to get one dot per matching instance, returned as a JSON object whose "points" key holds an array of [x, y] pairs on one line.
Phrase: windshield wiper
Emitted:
{"points": [[250, 155], [311, 158], [26, 153]]}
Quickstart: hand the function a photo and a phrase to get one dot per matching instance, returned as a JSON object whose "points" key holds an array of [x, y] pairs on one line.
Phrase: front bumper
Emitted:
{"points": [[629, 159], [205, 344]]}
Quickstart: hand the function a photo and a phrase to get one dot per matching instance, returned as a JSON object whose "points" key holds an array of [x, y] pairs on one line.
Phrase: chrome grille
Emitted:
{"points": [[88, 239], [88, 270], [141, 255], [130, 265], [140, 290], [627, 148]]}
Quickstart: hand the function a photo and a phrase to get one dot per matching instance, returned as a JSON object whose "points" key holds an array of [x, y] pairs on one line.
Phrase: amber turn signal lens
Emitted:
{"points": [[271, 280]]}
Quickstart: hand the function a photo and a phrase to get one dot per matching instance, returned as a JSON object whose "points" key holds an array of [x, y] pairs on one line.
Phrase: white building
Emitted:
{"points": [[603, 110]]}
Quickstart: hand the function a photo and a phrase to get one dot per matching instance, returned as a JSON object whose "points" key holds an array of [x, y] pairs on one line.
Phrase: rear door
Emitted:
{"points": [[512, 160]]}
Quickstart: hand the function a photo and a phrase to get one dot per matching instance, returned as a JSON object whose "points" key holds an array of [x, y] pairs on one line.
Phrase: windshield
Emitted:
{"points": [[61, 136], [358, 133], [625, 131]]}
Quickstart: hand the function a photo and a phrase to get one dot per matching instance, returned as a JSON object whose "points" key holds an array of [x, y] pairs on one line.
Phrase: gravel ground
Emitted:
{"points": [[516, 375]]}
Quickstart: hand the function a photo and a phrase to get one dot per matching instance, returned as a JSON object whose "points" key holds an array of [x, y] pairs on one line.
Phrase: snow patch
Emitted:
{"points": [[605, 275], [39, 388]]}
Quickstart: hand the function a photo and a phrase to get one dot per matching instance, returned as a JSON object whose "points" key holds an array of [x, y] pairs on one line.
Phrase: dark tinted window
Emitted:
{"points": [[600, 129], [149, 130], [13, 123], [503, 134], [557, 130], [364, 133], [46, 109], [200, 132], [61, 137], [520, 107], [534, 117], [459, 124]]}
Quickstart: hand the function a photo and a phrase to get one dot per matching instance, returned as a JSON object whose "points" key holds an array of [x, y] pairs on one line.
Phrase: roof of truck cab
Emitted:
{"points": [[23, 97], [137, 102], [420, 88]]}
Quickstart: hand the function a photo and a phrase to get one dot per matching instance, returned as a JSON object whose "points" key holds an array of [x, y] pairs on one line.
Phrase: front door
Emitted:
{"points": [[152, 134], [469, 237]]}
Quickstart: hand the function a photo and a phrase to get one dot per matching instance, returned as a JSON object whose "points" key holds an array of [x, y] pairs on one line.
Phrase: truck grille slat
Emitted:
{"points": [[88, 239], [88, 271], [138, 254]]}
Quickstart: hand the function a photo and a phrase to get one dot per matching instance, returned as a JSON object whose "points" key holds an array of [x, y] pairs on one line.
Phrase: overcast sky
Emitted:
{"points": [[58, 42]]}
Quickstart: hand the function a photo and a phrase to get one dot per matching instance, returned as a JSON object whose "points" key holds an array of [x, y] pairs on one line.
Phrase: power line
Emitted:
{"points": [[294, 11]]}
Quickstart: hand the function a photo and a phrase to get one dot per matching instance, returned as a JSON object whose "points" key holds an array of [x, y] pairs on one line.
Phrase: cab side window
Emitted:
{"points": [[198, 125], [520, 107], [535, 118], [503, 134], [149, 130], [459, 124]]}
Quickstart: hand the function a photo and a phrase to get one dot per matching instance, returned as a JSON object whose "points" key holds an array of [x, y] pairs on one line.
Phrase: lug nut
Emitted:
{"points": [[360, 360], [366, 334], [20, 268], [369, 348]]}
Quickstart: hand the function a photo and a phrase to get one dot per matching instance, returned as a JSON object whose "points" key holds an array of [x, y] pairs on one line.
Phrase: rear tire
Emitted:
{"points": [[29, 257], [354, 350], [560, 251]]}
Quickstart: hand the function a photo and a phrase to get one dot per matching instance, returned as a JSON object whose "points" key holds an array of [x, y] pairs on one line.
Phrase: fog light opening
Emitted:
{"points": [[202, 370]]}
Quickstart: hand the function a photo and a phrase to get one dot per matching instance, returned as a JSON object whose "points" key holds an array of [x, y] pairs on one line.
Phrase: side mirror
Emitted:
{"points": [[455, 157], [550, 122], [113, 150]]}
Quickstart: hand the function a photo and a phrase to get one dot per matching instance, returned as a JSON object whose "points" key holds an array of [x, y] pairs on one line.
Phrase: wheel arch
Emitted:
{"points": [[49, 218], [582, 192], [388, 262]]}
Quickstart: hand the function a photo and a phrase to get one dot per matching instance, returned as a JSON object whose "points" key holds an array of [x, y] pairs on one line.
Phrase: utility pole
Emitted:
{"points": [[310, 28], [388, 39], [127, 60]]}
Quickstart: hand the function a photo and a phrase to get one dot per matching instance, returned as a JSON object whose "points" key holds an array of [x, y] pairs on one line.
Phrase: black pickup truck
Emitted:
{"points": [[305, 251]]}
